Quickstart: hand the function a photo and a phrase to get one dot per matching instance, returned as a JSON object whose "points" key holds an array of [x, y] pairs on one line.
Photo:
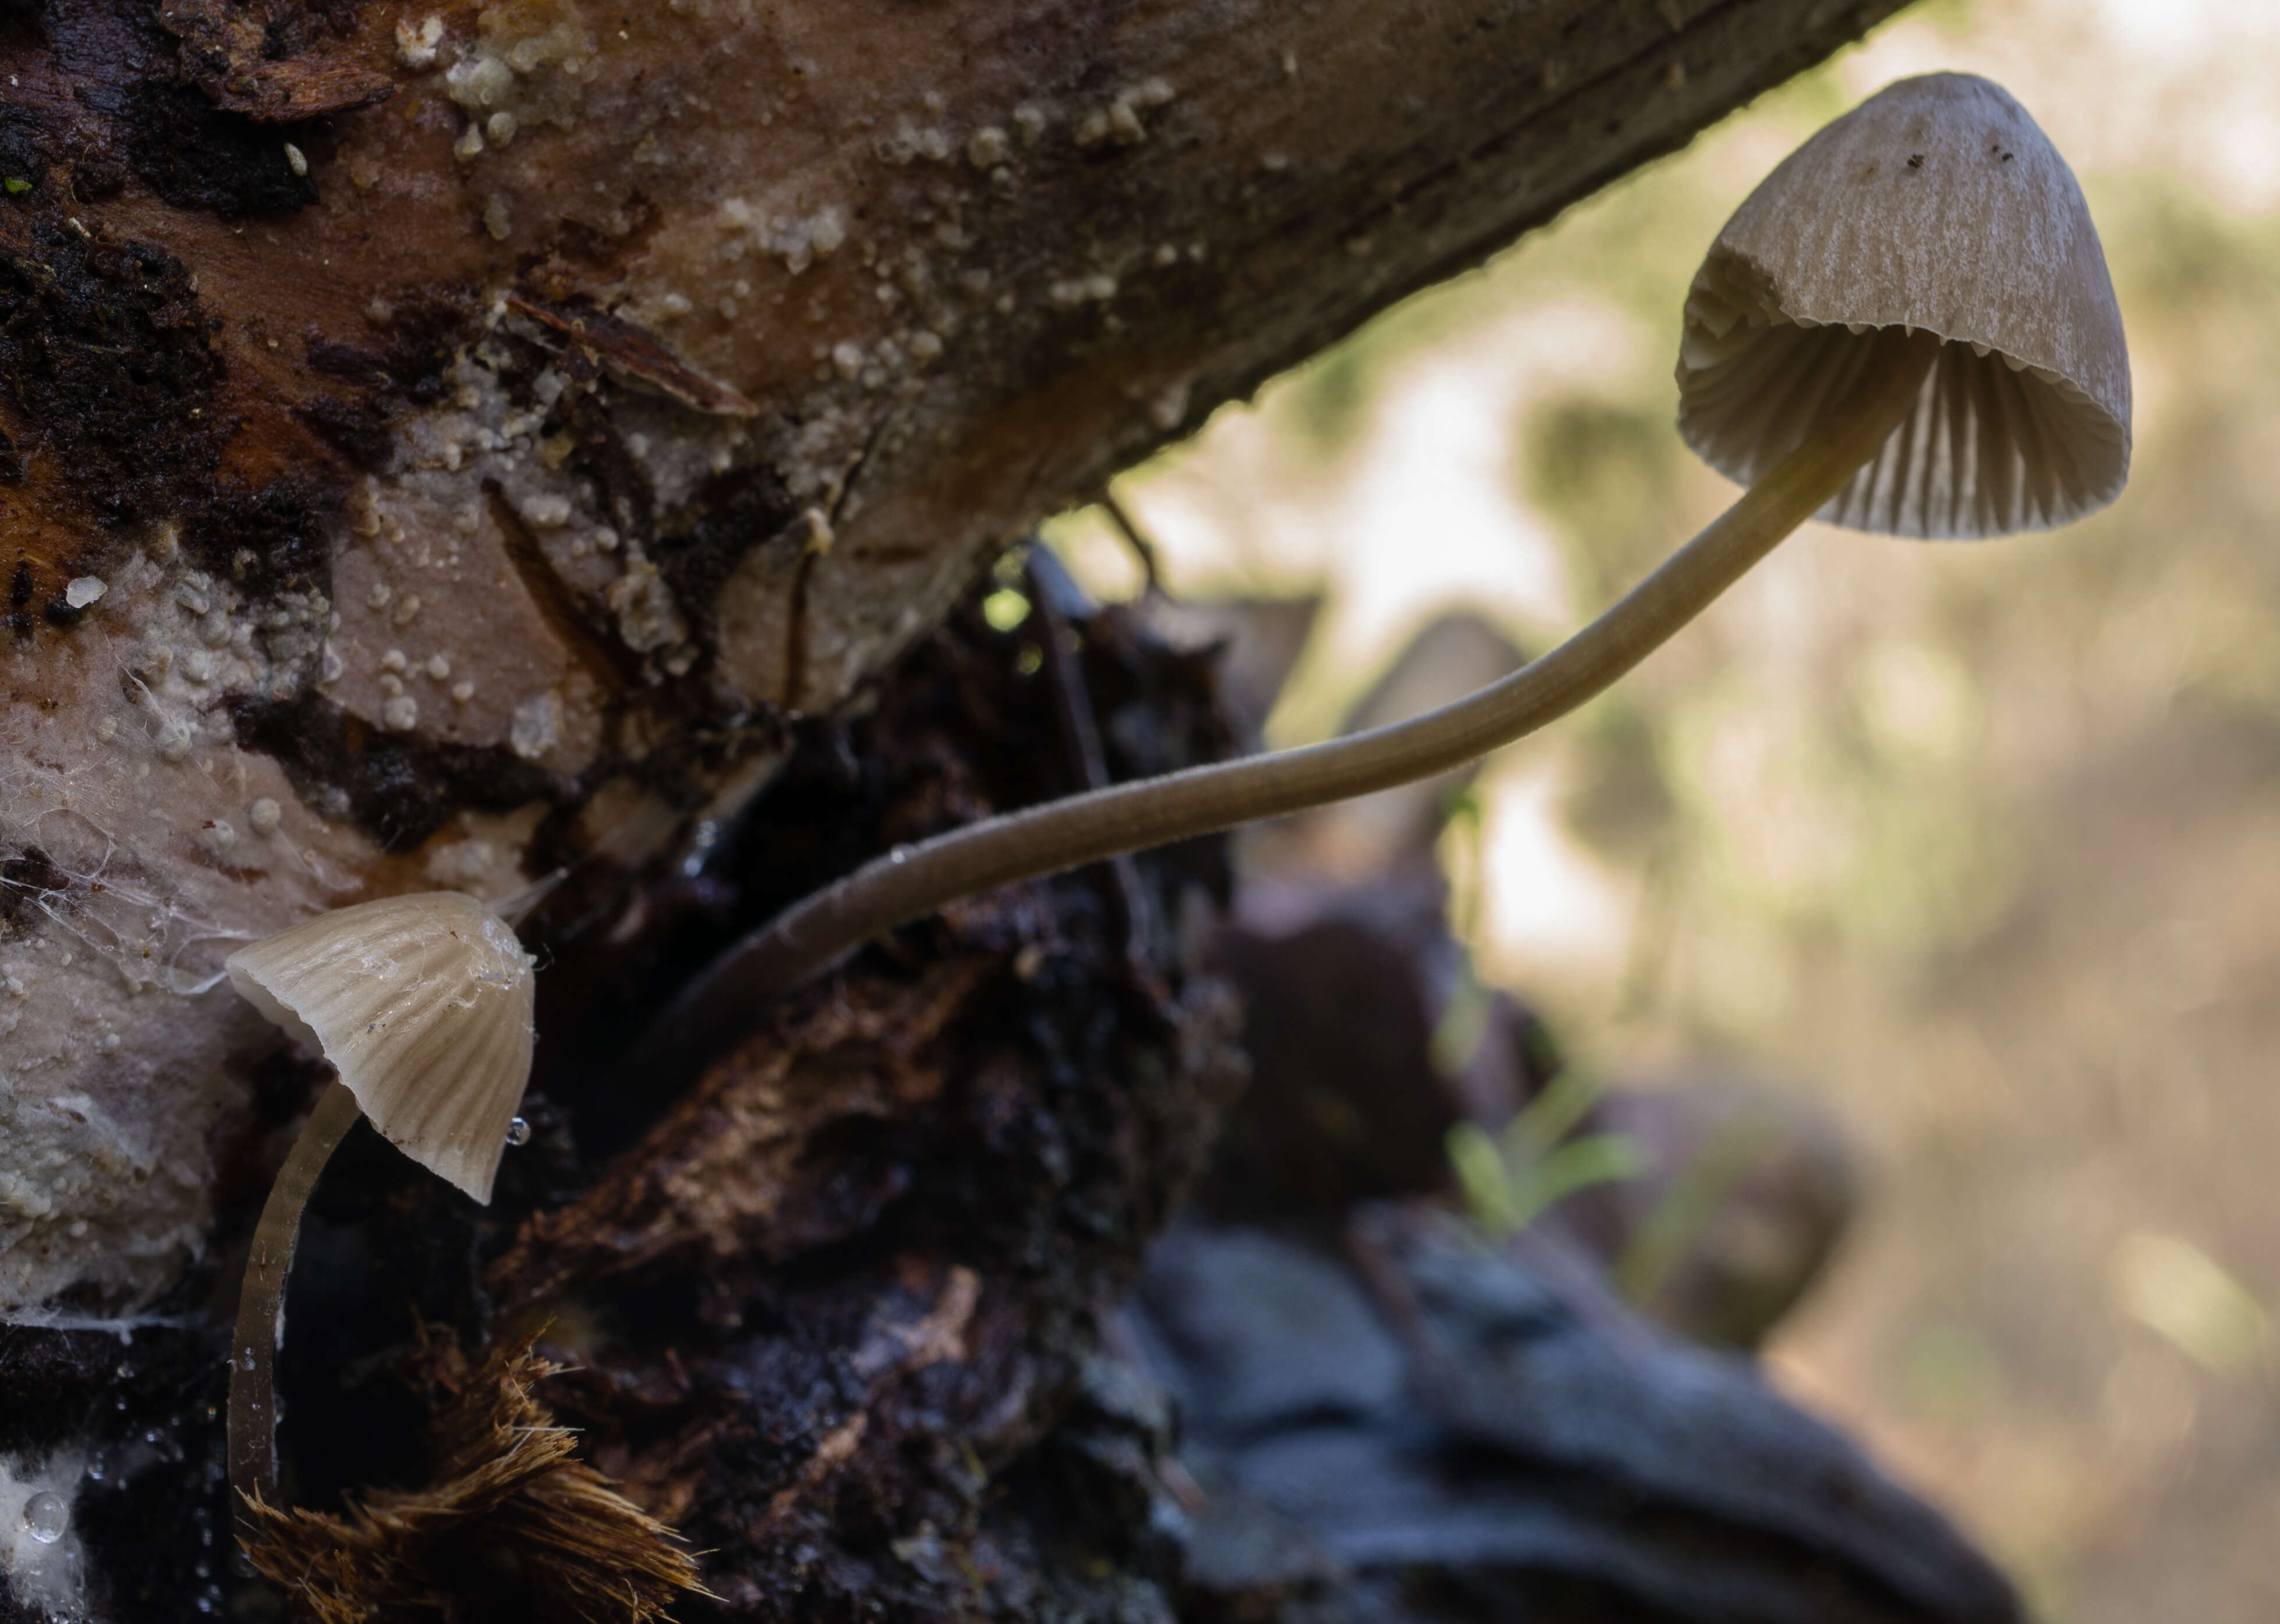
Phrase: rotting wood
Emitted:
{"points": [[836, 1317], [262, 385]]}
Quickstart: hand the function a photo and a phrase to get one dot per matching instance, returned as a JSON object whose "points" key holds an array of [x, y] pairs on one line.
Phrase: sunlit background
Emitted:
{"points": [[1980, 843]]}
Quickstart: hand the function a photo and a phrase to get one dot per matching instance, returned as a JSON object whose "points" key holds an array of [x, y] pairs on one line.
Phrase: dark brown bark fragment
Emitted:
{"points": [[267, 59], [639, 355]]}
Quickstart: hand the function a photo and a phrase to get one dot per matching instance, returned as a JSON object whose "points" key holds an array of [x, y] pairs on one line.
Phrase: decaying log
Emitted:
{"points": [[835, 1316], [816, 1306], [444, 444], [481, 445]]}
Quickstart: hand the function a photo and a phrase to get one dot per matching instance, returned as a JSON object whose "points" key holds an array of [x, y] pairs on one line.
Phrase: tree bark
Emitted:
{"points": [[445, 448], [453, 446]]}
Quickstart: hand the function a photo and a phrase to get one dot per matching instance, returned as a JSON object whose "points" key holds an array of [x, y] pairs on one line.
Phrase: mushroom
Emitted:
{"points": [[1907, 327], [423, 1005], [1939, 207]]}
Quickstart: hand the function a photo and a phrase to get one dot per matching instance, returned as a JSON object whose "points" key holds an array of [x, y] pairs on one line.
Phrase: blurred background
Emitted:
{"points": [[1978, 845]]}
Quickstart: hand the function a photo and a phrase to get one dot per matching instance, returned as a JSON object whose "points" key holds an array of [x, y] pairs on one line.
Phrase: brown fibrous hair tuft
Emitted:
{"points": [[510, 1512]]}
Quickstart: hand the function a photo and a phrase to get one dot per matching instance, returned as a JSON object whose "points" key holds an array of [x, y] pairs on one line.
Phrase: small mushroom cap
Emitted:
{"points": [[423, 1005], [1936, 204]]}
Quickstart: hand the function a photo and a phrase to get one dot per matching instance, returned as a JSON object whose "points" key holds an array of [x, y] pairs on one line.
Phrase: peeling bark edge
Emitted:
{"points": [[1704, 72]]}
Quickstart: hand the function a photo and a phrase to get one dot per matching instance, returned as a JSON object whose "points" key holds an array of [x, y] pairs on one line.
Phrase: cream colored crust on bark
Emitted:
{"points": [[1937, 204], [152, 847]]}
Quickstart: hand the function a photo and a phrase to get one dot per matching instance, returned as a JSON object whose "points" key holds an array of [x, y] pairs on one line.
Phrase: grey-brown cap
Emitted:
{"points": [[423, 1003], [1937, 204]]}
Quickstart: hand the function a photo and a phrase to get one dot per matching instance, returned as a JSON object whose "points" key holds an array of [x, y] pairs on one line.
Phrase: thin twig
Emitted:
{"points": [[1142, 547], [1080, 729]]}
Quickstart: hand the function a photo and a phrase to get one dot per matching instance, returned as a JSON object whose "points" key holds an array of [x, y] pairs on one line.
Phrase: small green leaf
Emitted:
{"points": [[1553, 1114], [1503, 1196], [1578, 1163], [16, 185], [1482, 1175]]}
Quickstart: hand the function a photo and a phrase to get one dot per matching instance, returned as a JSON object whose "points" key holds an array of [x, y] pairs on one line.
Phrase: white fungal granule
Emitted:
{"points": [[987, 147], [537, 727], [416, 42]]}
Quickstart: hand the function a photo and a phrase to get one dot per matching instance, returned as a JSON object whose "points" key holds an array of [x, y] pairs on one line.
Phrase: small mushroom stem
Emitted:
{"points": [[261, 1300], [912, 881]]}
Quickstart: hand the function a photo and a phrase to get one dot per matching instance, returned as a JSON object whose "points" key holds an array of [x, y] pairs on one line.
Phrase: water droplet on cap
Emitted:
{"points": [[518, 1132], [46, 1517]]}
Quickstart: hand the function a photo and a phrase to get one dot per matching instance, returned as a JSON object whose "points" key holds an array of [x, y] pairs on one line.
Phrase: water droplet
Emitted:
{"points": [[46, 1517], [899, 856], [95, 1470], [518, 1132], [701, 842]]}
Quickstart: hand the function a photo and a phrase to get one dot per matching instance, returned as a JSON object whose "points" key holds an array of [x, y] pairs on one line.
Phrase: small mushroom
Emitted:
{"points": [[423, 1005], [1907, 327]]}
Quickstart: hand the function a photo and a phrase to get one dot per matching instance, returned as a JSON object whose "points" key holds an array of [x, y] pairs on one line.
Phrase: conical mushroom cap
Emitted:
{"points": [[423, 1005], [1936, 204]]}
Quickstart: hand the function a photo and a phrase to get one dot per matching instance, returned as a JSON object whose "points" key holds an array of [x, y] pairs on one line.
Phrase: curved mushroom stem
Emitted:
{"points": [[915, 880], [261, 1300]]}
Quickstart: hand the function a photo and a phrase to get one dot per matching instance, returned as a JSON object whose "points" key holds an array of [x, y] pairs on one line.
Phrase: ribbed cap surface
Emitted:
{"points": [[424, 1005], [1936, 204]]}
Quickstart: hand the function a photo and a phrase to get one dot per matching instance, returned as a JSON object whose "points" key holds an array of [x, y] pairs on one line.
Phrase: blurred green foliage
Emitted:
{"points": [[1510, 1179], [1980, 837]]}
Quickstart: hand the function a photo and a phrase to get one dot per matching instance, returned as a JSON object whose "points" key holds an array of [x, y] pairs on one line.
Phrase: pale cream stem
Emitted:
{"points": [[261, 1300], [915, 880]]}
